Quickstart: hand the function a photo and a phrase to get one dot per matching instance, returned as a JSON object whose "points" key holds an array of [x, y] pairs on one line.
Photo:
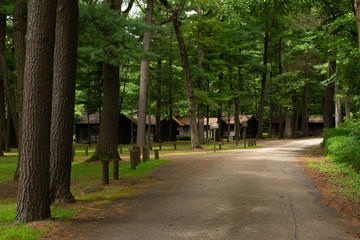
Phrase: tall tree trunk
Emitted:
{"points": [[9, 92], [176, 12], [189, 86], [149, 115], [2, 116], [270, 130], [329, 98], [20, 21], [229, 125], [237, 108], [201, 56], [106, 149], [357, 13], [144, 79], [7, 132], [218, 132], [171, 116], [288, 110], [62, 117], [281, 121], [305, 112], [263, 86], [158, 104], [33, 195], [338, 117]]}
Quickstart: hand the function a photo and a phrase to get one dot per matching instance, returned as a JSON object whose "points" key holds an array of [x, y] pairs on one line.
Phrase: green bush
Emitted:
{"points": [[185, 138], [333, 132], [345, 149]]}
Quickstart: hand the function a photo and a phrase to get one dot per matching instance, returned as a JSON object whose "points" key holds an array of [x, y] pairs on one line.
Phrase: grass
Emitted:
{"points": [[345, 180], [84, 176]]}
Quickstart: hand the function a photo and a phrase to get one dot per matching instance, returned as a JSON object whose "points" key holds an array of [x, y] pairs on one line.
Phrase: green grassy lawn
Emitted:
{"points": [[84, 176]]}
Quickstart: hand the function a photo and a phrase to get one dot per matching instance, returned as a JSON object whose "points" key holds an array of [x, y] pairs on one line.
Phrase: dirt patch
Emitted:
{"points": [[8, 189], [348, 208]]}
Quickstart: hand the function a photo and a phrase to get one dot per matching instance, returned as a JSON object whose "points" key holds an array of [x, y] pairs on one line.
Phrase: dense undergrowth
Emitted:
{"points": [[343, 143]]}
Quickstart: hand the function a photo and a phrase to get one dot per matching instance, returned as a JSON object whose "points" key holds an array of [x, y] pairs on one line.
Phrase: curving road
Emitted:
{"points": [[260, 193]]}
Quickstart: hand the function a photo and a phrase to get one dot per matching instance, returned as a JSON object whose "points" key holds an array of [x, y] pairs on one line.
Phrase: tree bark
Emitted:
{"points": [[106, 150], [281, 129], [20, 21], [184, 59], [263, 86], [237, 108], [329, 98], [62, 118], [7, 132], [338, 117], [201, 56], [2, 117], [33, 195], [357, 13], [9, 93], [144, 79], [229, 125], [158, 104], [305, 112], [108, 137]]}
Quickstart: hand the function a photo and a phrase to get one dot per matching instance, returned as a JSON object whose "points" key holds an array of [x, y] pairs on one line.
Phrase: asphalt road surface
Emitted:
{"points": [[260, 193]]}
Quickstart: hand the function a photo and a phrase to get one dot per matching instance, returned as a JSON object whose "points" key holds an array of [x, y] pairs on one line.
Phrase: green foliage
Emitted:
{"points": [[185, 138], [345, 149], [333, 132], [20, 232], [343, 142]]}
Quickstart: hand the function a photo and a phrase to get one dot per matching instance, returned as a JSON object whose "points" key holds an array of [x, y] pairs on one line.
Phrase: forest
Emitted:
{"points": [[281, 61]]}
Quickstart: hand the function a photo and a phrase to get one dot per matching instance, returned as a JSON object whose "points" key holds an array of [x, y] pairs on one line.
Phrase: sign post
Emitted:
{"points": [[214, 126]]}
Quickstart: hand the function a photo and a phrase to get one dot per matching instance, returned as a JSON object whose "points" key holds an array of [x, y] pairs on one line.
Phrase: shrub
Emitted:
{"points": [[333, 132], [185, 138], [345, 149]]}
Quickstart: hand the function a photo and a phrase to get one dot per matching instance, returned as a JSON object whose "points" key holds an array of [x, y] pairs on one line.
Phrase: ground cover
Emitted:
{"points": [[86, 187], [339, 184]]}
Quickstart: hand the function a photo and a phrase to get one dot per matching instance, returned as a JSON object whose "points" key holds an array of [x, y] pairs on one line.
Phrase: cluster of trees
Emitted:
{"points": [[280, 60]]}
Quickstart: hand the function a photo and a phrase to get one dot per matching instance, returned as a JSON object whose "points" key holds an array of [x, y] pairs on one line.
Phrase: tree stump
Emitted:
{"points": [[134, 156], [156, 153], [219, 145], [244, 143], [174, 146], [160, 145], [120, 149], [146, 154]]}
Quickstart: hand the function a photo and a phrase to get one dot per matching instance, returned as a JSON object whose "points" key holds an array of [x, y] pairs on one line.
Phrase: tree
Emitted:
{"points": [[62, 118], [106, 149], [144, 78], [2, 97], [175, 18], [33, 196], [20, 21]]}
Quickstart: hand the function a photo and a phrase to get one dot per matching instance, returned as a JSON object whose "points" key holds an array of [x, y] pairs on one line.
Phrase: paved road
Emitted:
{"points": [[259, 194]]}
